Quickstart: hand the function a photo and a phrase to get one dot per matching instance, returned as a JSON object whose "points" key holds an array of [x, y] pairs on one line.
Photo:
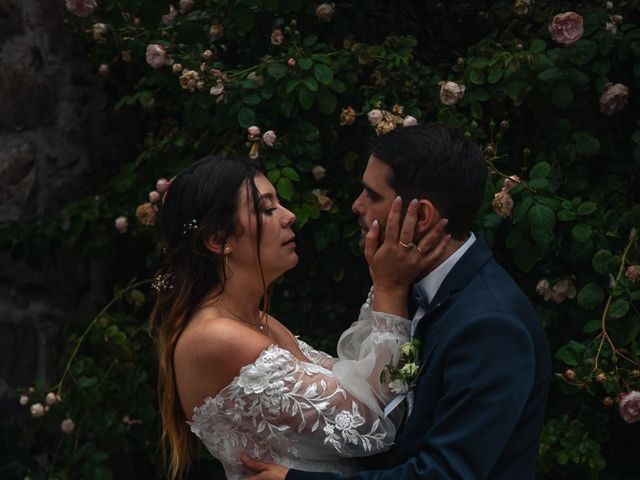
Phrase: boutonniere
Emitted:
{"points": [[403, 376]]}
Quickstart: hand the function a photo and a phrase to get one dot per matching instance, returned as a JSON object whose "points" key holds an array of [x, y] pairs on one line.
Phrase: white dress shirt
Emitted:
{"points": [[431, 283]]}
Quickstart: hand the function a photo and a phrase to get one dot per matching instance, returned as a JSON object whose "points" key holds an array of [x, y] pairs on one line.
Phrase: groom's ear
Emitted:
{"points": [[428, 215]]}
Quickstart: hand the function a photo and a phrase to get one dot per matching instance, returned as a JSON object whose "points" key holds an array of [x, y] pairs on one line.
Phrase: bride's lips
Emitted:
{"points": [[290, 242]]}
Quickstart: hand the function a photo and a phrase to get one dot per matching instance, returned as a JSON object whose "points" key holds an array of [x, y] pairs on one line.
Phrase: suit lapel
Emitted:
{"points": [[428, 329]]}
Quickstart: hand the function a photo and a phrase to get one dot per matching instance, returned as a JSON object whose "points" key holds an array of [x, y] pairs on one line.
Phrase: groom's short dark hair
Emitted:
{"points": [[435, 161]]}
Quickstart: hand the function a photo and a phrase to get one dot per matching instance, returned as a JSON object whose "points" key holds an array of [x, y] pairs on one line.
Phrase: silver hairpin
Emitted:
{"points": [[162, 282], [190, 226]]}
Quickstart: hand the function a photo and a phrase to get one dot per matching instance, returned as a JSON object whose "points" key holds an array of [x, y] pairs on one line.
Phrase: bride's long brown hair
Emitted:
{"points": [[202, 202]]}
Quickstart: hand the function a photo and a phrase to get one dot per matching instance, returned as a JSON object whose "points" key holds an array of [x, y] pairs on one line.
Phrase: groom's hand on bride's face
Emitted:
{"points": [[264, 471]]}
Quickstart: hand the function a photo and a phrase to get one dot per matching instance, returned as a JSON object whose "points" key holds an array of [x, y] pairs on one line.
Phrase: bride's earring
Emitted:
{"points": [[226, 251]]}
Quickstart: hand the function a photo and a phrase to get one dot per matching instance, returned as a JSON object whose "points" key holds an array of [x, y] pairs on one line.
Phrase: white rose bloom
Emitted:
{"points": [[67, 426], [398, 386], [37, 410]]}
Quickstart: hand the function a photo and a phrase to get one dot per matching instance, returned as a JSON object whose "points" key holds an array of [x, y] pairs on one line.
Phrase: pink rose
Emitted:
{"points": [[318, 172], [451, 92], [510, 182], [216, 31], [325, 11], [277, 37], [122, 224], [409, 121], [269, 138], [81, 8], [502, 204], [99, 31], [169, 18], [162, 185], [633, 273], [156, 55], [630, 406], [291, 62], [103, 70], [185, 5], [566, 28], [154, 196], [543, 287], [253, 130], [375, 116], [614, 98]]}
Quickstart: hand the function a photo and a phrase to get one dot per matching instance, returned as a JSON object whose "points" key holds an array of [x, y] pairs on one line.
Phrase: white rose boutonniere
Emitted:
{"points": [[403, 377]]}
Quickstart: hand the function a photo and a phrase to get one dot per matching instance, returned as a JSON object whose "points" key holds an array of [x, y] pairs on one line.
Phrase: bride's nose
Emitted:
{"points": [[289, 217]]}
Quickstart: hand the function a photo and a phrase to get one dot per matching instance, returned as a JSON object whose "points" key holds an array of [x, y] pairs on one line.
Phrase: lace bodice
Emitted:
{"points": [[315, 415]]}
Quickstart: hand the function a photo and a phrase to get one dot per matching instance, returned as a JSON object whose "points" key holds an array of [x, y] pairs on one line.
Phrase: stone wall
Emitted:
{"points": [[56, 128]]}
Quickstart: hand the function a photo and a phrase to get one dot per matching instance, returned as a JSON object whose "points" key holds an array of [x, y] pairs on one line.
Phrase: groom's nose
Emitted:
{"points": [[356, 207]]}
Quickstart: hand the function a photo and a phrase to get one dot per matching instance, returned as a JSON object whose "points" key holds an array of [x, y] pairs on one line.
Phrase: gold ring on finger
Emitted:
{"points": [[409, 245]]}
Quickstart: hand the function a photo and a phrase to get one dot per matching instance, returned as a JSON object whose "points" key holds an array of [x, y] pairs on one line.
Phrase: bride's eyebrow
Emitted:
{"points": [[268, 196]]}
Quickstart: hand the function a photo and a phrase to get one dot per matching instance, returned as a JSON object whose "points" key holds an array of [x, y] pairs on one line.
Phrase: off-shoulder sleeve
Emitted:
{"points": [[287, 404]]}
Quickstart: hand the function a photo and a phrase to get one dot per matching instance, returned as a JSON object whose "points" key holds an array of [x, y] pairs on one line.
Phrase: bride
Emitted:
{"points": [[235, 376]]}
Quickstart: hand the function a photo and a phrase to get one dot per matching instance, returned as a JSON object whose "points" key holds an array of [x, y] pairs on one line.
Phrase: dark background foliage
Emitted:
{"points": [[531, 103]]}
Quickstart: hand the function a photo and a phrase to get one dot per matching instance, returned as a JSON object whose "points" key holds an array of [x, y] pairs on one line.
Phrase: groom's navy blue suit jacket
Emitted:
{"points": [[481, 395]]}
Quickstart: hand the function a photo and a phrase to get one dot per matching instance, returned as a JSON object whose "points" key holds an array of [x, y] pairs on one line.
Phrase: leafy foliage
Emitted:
{"points": [[535, 106]]}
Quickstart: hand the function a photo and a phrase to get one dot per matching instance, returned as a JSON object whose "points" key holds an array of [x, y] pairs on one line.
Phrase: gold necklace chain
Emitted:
{"points": [[264, 328]]}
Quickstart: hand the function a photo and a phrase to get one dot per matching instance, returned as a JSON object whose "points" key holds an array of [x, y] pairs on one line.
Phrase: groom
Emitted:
{"points": [[479, 401]]}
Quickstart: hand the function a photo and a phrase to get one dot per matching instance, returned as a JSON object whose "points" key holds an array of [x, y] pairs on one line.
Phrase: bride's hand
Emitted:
{"points": [[395, 264]]}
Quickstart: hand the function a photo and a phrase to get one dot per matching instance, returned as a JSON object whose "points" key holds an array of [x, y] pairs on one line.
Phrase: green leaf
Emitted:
{"points": [[581, 233], [561, 95], [251, 99], [476, 77], [592, 326], [539, 183], [292, 85], [586, 144], [277, 71], [541, 217], [566, 215], [305, 98], [571, 353], [476, 110], [601, 261], [538, 46], [273, 175], [587, 208], [323, 73], [583, 51], [291, 174], [495, 74], [591, 296], [285, 188], [338, 86], [309, 40], [246, 117], [522, 208], [305, 63], [540, 169], [327, 102], [619, 308], [552, 74], [311, 83]]}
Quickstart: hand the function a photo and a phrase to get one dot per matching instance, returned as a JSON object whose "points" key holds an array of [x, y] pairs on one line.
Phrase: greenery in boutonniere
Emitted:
{"points": [[403, 376]]}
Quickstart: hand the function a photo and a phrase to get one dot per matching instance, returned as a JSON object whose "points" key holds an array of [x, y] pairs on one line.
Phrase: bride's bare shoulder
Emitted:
{"points": [[211, 339]]}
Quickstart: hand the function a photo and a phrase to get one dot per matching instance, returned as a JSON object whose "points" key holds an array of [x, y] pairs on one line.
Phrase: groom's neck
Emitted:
{"points": [[449, 250]]}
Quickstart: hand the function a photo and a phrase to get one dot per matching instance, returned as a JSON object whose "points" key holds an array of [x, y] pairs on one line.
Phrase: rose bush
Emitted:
{"points": [[550, 92]]}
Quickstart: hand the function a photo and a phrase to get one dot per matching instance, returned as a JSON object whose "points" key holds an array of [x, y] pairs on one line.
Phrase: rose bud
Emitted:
{"points": [[608, 401], [24, 400], [176, 68], [269, 138], [375, 116], [318, 172], [37, 410], [67, 426], [162, 185], [51, 398], [569, 374], [254, 131], [122, 224], [409, 121], [291, 62], [154, 196], [601, 378], [277, 37], [103, 70]]}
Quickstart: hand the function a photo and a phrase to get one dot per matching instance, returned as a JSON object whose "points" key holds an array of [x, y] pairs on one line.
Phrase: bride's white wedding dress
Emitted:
{"points": [[316, 415]]}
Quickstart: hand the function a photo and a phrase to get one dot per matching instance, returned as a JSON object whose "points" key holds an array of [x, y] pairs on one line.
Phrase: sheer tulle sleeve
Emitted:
{"points": [[371, 342]]}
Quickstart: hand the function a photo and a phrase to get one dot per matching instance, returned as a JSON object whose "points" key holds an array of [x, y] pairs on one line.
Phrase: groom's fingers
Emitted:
{"points": [[392, 230], [371, 241], [409, 223]]}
